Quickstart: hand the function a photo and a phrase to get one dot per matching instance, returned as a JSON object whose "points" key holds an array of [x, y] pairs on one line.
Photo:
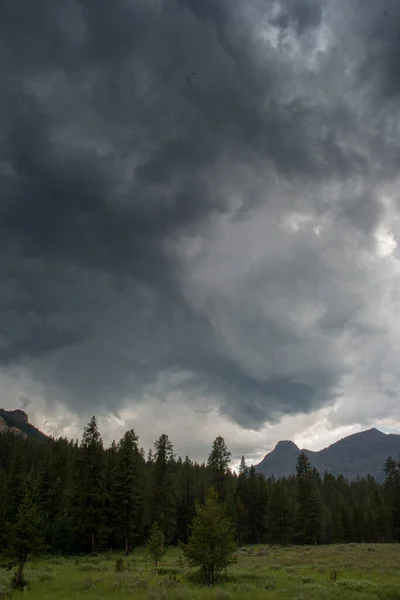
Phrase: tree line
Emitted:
{"points": [[85, 498]]}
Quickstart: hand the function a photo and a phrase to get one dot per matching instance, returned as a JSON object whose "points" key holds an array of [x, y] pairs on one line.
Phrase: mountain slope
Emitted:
{"points": [[17, 422], [354, 456]]}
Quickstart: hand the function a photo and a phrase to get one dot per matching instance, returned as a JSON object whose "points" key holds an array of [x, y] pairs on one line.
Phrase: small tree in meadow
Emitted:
{"points": [[23, 539], [155, 543], [211, 545]]}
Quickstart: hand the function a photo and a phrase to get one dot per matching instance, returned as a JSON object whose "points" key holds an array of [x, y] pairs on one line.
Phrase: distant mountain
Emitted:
{"points": [[17, 421], [354, 456]]}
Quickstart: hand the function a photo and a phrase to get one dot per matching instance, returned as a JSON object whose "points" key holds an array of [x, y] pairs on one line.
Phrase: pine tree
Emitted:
{"points": [[381, 516], [155, 543], [59, 468], [186, 507], [280, 515], [127, 488], [309, 517], [2, 492], [15, 483], [242, 500], [211, 545], [347, 522], [256, 502], [23, 538], [164, 496], [48, 490], [111, 524], [218, 463], [243, 468], [70, 511], [392, 493], [92, 485], [241, 518], [62, 532]]}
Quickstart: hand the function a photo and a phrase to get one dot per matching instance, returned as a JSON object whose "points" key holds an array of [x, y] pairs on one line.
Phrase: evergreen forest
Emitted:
{"points": [[84, 498]]}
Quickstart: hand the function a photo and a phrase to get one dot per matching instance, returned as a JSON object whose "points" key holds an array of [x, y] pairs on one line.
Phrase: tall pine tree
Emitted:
{"points": [[91, 482], [280, 515], [164, 492], [218, 464], [309, 516], [127, 489]]}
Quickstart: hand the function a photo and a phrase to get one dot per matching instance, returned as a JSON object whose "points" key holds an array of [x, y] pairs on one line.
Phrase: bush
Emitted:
{"points": [[5, 593], [171, 580], [138, 583], [157, 593], [120, 566], [354, 585]]}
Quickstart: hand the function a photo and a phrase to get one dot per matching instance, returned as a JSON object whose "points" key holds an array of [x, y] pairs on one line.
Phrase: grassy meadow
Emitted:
{"points": [[344, 572]]}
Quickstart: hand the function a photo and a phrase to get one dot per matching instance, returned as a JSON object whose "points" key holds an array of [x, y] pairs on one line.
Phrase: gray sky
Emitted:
{"points": [[204, 260]]}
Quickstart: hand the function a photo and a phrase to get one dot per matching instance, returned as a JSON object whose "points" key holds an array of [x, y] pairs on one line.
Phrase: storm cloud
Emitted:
{"points": [[232, 242]]}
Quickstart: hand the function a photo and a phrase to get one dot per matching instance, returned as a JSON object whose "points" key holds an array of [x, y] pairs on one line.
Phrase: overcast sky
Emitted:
{"points": [[210, 259]]}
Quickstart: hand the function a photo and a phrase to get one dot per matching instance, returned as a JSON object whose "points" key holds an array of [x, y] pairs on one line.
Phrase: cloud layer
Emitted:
{"points": [[231, 245]]}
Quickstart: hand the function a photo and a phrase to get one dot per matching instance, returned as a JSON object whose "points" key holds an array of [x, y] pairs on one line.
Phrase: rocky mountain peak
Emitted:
{"points": [[356, 455], [17, 416], [286, 446], [17, 421]]}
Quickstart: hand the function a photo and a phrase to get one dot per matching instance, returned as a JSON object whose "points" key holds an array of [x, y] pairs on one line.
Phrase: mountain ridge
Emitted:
{"points": [[355, 455], [17, 422]]}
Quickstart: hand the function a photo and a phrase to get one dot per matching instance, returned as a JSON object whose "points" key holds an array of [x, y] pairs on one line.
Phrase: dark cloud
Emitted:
{"points": [[38, 342], [300, 15], [362, 211], [379, 66], [113, 169]]}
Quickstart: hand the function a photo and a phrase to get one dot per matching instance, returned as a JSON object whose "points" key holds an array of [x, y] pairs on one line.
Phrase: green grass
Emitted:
{"points": [[345, 572]]}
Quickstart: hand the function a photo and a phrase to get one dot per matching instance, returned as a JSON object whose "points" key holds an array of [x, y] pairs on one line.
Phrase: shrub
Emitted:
{"points": [[120, 565]]}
